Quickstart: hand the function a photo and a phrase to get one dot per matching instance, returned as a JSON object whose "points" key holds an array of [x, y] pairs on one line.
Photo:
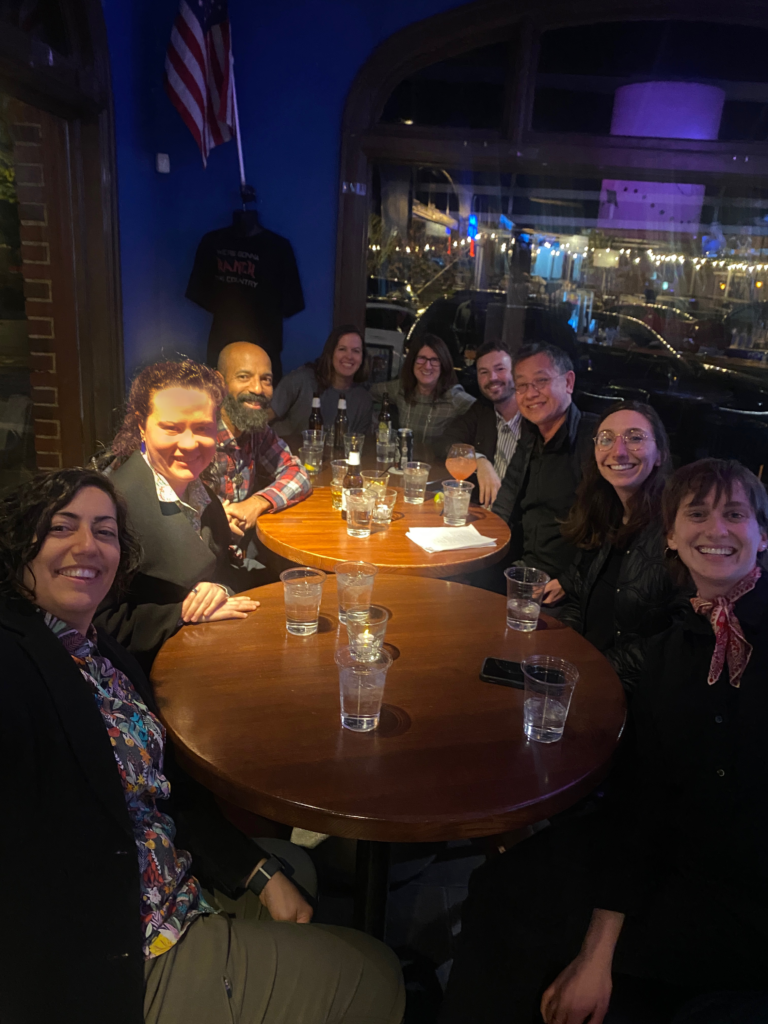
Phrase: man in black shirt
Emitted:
{"points": [[250, 282], [556, 439]]}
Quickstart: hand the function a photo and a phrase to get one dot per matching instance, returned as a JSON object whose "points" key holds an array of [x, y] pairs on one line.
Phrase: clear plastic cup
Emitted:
{"points": [[375, 480], [314, 438], [366, 630], [303, 591], [354, 584], [361, 687], [549, 684], [415, 478], [353, 443], [386, 454], [456, 501], [525, 589], [339, 470], [384, 507], [360, 503], [312, 460]]}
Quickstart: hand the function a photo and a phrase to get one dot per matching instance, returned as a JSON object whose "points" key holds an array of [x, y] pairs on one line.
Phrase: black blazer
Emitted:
{"points": [[175, 559], [477, 426], [71, 945]]}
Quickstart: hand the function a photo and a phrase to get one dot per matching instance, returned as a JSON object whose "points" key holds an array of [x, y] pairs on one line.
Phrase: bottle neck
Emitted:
{"points": [[353, 459]]}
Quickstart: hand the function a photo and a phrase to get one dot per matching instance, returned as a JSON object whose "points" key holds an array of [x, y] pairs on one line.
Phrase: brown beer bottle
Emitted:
{"points": [[316, 417], [385, 418], [351, 479], [340, 428]]}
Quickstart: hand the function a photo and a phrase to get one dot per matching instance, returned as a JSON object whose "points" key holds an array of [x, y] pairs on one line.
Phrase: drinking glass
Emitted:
{"points": [[549, 684], [353, 443], [386, 454], [385, 503], [339, 470], [375, 480], [366, 630], [456, 497], [415, 478], [312, 460], [359, 511], [361, 687], [354, 583], [525, 588], [461, 461], [303, 590], [314, 438]]}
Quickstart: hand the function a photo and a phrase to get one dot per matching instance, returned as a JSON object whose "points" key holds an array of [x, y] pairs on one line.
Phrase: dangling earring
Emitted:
{"points": [[670, 553], [143, 447]]}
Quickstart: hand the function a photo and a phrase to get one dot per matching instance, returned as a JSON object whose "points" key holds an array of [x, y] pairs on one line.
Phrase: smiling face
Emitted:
{"points": [[543, 394], [247, 371], [627, 469], [717, 540], [494, 376], [348, 356], [426, 369], [180, 434], [76, 564]]}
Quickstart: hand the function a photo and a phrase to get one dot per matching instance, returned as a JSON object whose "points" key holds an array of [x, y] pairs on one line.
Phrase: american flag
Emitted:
{"points": [[198, 72]]}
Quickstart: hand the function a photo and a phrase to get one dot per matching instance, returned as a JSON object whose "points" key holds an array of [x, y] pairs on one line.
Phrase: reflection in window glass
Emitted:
{"points": [[42, 19]]}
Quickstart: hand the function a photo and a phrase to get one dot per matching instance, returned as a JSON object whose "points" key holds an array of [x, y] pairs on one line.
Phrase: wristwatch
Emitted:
{"points": [[264, 874]]}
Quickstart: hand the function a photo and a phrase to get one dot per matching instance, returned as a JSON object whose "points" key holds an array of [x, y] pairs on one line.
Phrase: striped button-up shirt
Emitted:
{"points": [[240, 458], [508, 434]]}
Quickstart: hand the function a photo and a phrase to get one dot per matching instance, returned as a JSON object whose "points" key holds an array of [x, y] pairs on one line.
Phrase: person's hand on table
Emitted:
{"points": [[242, 515], [236, 607], [488, 483], [553, 593], [283, 900], [202, 601]]}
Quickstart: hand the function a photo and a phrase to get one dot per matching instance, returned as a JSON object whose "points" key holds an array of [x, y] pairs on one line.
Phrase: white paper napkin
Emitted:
{"points": [[448, 538]]}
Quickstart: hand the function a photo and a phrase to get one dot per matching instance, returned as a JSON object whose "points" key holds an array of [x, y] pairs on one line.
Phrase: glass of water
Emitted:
{"points": [[549, 684], [366, 630], [339, 470], [387, 454], [415, 478], [360, 504], [384, 507], [525, 588], [361, 687], [314, 438], [354, 584], [312, 460], [375, 480], [353, 443], [456, 508], [303, 591]]}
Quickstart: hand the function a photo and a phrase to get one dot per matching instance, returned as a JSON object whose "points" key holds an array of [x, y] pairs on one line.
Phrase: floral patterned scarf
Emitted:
{"points": [[730, 642]]}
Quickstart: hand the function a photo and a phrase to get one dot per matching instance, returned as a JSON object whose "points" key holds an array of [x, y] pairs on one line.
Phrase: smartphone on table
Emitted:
{"points": [[504, 673]]}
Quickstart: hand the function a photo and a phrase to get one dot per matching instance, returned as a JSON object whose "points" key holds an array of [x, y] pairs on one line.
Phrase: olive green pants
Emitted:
{"points": [[248, 969]]}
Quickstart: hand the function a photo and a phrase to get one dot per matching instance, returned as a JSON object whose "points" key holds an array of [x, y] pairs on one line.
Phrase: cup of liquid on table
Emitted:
{"points": [[303, 591], [387, 452], [375, 480], [525, 589], [415, 478], [456, 495], [314, 438], [354, 585], [353, 443], [339, 470], [361, 687], [360, 503], [384, 507], [549, 684], [312, 459], [366, 631], [461, 461]]}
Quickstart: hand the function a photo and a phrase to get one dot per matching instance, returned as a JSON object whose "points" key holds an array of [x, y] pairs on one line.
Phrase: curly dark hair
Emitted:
{"points": [[185, 373], [25, 520], [447, 378], [597, 512], [323, 365]]}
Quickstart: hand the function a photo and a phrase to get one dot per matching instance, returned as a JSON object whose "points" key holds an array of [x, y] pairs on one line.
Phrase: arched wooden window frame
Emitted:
{"points": [[516, 148], [77, 88]]}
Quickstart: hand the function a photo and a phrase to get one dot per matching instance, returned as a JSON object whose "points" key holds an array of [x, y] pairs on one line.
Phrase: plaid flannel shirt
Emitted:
{"points": [[239, 459]]}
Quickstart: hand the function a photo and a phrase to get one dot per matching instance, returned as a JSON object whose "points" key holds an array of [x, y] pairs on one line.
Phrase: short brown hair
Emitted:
{"points": [[323, 365], [185, 373], [721, 475], [447, 379]]}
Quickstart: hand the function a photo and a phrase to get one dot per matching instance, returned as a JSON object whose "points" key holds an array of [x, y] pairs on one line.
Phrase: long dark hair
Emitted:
{"points": [[323, 365], [25, 521], [597, 512], [447, 378]]}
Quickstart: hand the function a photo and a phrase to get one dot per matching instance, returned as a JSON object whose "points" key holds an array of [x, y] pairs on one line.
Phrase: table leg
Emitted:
{"points": [[371, 884]]}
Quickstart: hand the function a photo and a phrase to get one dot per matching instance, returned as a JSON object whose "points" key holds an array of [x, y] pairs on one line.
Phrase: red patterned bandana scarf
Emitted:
{"points": [[730, 642]]}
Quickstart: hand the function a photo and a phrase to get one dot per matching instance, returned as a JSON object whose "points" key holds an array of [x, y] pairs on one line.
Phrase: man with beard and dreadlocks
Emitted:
{"points": [[248, 452]]}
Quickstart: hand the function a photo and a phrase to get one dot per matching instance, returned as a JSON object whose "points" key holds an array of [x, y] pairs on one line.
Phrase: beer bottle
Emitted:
{"points": [[385, 419], [352, 478], [316, 417], [340, 428]]}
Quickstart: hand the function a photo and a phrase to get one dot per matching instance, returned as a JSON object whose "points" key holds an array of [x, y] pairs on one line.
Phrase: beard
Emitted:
{"points": [[246, 419]]}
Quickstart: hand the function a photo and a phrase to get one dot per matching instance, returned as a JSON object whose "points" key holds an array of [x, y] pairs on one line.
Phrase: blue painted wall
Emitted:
{"points": [[295, 61]]}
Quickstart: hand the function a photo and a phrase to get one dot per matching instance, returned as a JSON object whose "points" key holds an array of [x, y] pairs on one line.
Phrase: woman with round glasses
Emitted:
{"points": [[618, 591], [427, 395]]}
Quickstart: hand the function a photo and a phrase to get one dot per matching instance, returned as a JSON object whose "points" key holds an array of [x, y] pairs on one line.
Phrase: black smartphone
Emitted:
{"points": [[505, 673]]}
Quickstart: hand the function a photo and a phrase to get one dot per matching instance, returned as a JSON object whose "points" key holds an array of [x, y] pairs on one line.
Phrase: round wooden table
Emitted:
{"points": [[313, 533]]}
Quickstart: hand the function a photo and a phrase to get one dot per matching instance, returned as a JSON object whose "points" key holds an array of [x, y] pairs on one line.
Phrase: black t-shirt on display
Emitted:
{"points": [[250, 283]]}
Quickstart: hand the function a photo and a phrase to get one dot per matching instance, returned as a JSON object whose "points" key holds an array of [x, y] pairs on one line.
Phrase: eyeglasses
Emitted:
{"points": [[633, 439], [425, 361], [538, 384]]}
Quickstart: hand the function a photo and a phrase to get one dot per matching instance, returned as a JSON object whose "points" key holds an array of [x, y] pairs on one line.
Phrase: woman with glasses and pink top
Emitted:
{"points": [[427, 395], [618, 592]]}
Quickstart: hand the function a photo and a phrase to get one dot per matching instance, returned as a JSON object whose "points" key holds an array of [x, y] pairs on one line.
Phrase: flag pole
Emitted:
{"points": [[237, 135]]}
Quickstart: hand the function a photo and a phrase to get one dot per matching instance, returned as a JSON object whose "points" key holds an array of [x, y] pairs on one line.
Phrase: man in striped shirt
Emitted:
{"points": [[492, 430]]}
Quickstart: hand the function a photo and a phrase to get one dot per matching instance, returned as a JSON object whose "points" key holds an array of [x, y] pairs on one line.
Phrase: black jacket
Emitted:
{"points": [[477, 426], [71, 944], [645, 604], [539, 488], [700, 810], [175, 559]]}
